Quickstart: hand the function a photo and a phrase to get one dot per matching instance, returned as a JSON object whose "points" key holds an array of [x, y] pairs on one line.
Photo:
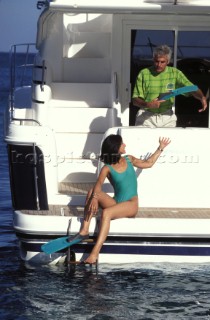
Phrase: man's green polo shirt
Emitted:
{"points": [[149, 84]]}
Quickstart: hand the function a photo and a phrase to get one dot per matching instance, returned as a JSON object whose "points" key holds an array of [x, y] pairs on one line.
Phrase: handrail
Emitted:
{"points": [[25, 65], [12, 59], [43, 75], [35, 176], [13, 63], [116, 88], [19, 64], [24, 119]]}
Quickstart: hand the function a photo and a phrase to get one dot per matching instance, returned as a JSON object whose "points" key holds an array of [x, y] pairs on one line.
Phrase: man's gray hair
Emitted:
{"points": [[163, 50]]}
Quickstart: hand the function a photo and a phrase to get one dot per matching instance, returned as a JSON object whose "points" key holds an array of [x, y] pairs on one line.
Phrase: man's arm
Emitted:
{"points": [[200, 96], [183, 81], [141, 103]]}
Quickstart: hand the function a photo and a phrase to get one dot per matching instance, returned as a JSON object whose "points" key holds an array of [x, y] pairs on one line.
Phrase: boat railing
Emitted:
{"points": [[43, 75], [21, 120], [21, 69], [116, 88]]}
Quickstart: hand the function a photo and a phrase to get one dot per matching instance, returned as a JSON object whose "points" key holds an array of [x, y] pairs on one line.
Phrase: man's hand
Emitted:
{"points": [[204, 104], [154, 104]]}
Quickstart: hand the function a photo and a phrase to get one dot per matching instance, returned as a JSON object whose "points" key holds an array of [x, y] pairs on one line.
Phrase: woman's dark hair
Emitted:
{"points": [[110, 149]]}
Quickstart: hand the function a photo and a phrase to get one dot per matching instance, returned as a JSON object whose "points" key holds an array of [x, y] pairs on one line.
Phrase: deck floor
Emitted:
{"points": [[175, 213], [75, 188], [82, 189]]}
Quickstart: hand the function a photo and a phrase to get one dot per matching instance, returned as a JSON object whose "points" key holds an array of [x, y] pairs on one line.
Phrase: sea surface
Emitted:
{"points": [[140, 291]]}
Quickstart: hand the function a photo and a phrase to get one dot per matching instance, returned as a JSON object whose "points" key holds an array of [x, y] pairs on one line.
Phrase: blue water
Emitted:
{"points": [[142, 291]]}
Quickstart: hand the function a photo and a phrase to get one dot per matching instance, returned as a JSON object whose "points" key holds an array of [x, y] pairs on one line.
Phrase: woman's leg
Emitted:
{"points": [[127, 209], [104, 201]]}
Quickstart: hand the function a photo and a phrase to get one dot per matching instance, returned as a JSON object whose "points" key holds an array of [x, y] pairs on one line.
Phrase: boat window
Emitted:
{"points": [[143, 42], [193, 44], [192, 57]]}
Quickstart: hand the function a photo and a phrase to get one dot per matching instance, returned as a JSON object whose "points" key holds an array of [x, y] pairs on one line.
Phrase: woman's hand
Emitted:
{"points": [[164, 142], [92, 208]]}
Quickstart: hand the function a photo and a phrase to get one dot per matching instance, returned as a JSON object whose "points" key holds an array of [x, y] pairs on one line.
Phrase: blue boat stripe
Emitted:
{"points": [[134, 250]]}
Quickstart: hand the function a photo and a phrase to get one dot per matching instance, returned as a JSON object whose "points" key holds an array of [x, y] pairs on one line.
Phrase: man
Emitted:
{"points": [[153, 81]]}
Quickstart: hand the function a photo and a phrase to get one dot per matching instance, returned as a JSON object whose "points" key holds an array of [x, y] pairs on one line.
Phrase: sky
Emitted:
{"points": [[18, 22]]}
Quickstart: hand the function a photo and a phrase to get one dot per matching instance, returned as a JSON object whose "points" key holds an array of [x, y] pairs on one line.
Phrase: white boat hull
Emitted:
{"points": [[129, 241]]}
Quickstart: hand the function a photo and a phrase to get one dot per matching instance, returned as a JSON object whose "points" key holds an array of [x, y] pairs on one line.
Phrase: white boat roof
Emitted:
{"points": [[113, 5], [131, 6]]}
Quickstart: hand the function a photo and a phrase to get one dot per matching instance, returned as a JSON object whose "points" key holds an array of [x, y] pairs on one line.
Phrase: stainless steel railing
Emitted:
{"points": [[21, 72]]}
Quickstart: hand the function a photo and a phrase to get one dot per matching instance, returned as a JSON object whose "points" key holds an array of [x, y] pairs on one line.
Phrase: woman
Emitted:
{"points": [[121, 174]]}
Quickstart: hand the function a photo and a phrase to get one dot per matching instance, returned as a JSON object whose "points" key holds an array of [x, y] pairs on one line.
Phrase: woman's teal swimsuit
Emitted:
{"points": [[124, 183]]}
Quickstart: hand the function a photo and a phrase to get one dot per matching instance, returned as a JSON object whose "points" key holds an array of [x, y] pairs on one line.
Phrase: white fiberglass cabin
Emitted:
{"points": [[88, 56]]}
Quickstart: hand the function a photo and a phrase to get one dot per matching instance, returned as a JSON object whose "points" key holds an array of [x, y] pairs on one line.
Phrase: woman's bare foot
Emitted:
{"points": [[84, 233]]}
